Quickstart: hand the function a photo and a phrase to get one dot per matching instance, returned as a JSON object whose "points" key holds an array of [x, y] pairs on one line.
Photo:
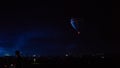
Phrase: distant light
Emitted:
{"points": [[78, 32], [11, 65], [34, 60], [7, 54], [34, 55], [102, 57], [66, 54]]}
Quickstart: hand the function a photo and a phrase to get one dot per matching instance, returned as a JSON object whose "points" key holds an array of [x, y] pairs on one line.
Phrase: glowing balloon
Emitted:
{"points": [[75, 24]]}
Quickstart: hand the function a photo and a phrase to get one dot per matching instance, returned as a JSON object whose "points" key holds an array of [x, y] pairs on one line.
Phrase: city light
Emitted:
{"points": [[34, 55], [102, 57], [66, 54], [7, 54]]}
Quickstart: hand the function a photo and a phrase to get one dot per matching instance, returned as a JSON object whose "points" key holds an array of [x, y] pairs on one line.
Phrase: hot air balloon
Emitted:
{"points": [[75, 24]]}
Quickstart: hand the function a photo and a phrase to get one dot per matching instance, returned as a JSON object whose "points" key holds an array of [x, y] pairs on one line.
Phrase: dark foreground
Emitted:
{"points": [[74, 62]]}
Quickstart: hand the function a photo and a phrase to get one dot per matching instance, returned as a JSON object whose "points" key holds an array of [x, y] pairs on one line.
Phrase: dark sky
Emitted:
{"points": [[43, 27]]}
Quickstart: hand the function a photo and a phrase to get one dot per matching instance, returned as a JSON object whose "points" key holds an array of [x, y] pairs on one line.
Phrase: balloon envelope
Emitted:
{"points": [[75, 24]]}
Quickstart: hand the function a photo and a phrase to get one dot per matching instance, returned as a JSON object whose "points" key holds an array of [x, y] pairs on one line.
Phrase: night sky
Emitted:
{"points": [[44, 28]]}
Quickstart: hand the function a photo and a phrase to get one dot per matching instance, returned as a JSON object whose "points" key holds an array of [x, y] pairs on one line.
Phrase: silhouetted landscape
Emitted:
{"points": [[97, 61]]}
